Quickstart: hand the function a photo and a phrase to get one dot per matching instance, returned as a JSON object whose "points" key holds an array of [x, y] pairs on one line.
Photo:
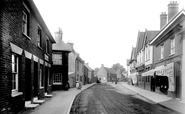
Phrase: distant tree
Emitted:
{"points": [[119, 67]]}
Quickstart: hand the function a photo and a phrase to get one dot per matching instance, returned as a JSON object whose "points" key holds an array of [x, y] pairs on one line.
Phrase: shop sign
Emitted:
{"points": [[168, 71]]}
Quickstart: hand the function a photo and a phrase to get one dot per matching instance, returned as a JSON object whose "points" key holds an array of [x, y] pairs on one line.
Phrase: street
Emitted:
{"points": [[114, 99]]}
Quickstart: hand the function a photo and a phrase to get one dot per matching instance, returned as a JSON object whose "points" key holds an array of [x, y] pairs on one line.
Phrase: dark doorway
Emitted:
{"points": [[28, 80], [46, 79], [178, 79], [35, 79]]}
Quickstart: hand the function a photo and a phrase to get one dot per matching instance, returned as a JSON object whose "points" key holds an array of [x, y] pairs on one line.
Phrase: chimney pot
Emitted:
{"points": [[163, 19], [173, 9]]}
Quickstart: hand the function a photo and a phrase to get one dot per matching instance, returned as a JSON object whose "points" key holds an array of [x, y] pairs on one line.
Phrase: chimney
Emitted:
{"points": [[58, 36], [163, 19], [71, 44], [173, 9], [102, 65]]}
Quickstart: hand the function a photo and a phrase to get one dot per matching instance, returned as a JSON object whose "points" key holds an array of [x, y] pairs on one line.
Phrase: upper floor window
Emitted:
{"points": [[172, 46], [47, 45], [25, 23], [162, 51], [148, 51], [40, 37], [15, 72], [57, 59]]}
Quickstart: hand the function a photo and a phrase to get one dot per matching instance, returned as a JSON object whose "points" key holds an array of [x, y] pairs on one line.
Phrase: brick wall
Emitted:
{"points": [[11, 31]]}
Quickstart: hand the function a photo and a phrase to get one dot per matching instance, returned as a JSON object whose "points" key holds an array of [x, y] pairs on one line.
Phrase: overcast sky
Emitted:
{"points": [[103, 31]]}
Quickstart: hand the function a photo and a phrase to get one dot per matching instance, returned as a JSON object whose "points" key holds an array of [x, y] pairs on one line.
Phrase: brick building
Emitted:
{"points": [[25, 58], [168, 51], [59, 67]]}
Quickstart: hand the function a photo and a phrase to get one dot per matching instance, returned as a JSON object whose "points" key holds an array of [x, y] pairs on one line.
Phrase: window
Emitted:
{"points": [[49, 77], [57, 78], [172, 46], [41, 76], [57, 59], [47, 45], [15, 72], [25, 23], [40, 37], [149, 53], [77, 66], [162, 51]]}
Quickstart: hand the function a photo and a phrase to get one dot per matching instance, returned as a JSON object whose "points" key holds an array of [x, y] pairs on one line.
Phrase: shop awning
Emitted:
{"points": [[148, 73], [151, 72]]}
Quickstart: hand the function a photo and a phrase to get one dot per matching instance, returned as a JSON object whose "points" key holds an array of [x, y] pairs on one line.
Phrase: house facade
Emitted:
{"points": [[85, 75], [147, 75], [168, 48], [26, 55], [79, 69], [71, 66], [106, 74], [60, 52], [132, 75], [140, 65]]}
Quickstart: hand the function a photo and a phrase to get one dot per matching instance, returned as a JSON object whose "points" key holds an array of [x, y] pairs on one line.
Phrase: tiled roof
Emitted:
{"points": [[150, 35], [110, 70], [140, 41]]}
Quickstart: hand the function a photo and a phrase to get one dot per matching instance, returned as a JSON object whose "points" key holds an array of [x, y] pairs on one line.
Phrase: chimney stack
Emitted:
{"points": [[58, 36], [163, 19], [173, 9]]}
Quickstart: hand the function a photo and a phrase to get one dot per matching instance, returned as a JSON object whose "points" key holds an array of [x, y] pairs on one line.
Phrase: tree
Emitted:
{"points": [[119, 67]]}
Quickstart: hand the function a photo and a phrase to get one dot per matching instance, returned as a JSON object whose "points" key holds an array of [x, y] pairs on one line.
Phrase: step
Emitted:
{"points": [[48, 96], [38, 101], [31, 106]]}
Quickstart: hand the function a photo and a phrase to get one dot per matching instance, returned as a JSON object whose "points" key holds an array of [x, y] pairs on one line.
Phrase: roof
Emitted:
{"points": [[140, 41], [38, 16], [61, 47], [87, 66], [169, 25], [79, 58], [150, 35], [133, 54], [110, 70]]}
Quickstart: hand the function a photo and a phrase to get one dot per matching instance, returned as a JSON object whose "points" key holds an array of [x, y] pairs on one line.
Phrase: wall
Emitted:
{"points": [[102, 74]]}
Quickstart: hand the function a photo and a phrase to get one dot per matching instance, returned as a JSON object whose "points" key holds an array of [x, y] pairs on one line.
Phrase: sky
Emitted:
{"points": [[103, 31]]}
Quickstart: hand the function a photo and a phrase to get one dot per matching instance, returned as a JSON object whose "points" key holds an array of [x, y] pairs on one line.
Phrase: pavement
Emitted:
{"points": [[60, 103], [162, 100]]}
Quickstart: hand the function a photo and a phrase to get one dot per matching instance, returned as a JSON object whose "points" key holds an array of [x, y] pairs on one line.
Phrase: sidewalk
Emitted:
{"points": [[159, 99], [60, 103]]}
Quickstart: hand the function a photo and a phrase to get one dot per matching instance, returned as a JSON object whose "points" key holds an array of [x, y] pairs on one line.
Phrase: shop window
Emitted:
{"points": [[57, 78]]}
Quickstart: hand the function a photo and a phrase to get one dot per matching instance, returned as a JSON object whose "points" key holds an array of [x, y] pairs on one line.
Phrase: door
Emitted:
{"points": [[178, 79], [36, 79], [28, 80], [46, 79]]}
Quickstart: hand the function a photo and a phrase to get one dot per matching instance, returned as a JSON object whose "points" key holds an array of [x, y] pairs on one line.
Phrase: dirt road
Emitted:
{"points": [[114, 99]]}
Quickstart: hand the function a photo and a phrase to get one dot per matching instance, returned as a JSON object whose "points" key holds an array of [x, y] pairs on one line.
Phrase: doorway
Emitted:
{"points": [[28, 80], [46, 79], [35, 79]]}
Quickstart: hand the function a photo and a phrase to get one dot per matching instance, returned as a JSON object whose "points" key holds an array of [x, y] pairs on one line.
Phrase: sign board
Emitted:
{"points": [[168, 71]]}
